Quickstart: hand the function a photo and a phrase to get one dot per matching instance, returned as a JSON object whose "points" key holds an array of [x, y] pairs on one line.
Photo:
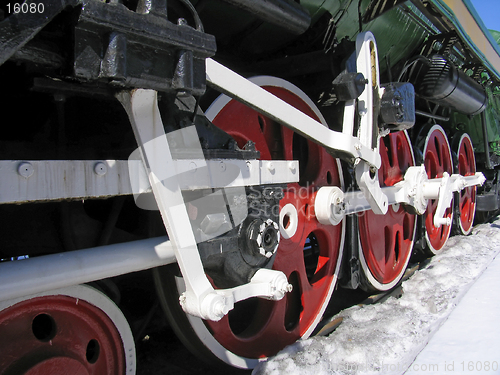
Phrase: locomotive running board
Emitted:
{"points": [[24, 181]]}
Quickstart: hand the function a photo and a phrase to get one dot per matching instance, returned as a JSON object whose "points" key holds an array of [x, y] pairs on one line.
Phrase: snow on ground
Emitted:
{"points": [[386, 338], [471, 334]]}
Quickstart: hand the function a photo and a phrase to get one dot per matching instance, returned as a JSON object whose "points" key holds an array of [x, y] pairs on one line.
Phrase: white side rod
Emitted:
{"points": [[331, 204]]}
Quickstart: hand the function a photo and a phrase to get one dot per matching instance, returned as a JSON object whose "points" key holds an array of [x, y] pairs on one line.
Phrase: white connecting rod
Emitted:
{"points": [[245, 91]]}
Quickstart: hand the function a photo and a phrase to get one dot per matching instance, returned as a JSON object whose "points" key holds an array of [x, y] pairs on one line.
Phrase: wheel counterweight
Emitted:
{"points": [[309, 252], [387, 240]]}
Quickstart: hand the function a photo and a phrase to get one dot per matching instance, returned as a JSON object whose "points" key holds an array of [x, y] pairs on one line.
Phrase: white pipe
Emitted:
{"points": [[34, 275]]}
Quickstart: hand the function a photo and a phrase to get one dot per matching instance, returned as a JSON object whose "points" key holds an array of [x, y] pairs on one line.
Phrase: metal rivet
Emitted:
{"points": [[25, 169], [100, 169]]}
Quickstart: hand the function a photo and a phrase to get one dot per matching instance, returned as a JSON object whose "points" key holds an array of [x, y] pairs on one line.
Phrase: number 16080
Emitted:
{"points": [[25, 8]]}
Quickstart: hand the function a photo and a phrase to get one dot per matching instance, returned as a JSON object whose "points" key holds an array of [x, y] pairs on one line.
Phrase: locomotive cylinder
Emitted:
{"points": [[438, 81]]}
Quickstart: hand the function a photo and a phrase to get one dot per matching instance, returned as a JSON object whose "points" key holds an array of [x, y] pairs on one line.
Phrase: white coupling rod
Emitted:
{"points": [[332, 204], [446, 186]]}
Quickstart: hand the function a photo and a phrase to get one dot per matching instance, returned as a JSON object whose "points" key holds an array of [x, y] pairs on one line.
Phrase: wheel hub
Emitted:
{"points": [[263, 237]]}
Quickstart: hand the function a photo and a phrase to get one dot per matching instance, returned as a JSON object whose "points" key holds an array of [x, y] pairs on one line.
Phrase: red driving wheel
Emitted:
{"points": [[465, 165], [309, 258], [437, 160], [309, 252], [63, 334], [387, 240]]}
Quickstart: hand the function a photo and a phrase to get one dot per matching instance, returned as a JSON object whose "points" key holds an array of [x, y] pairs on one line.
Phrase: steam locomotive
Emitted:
{"points": [[254, 155]]}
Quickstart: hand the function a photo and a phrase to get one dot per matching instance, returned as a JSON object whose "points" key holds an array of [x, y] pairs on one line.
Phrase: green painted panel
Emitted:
{"points": [[473, 125], [397, 32]]}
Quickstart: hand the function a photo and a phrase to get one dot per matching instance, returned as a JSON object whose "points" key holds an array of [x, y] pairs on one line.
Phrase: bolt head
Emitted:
{"points": [[25, 169], [100, 169]]}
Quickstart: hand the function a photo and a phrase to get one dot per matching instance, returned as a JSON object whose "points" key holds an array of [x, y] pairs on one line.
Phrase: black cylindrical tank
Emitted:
{"points": [[437, 80]]}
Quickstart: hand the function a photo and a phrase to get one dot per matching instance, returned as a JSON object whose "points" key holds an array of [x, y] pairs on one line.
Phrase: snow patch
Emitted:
{"points": [[387, 337]]}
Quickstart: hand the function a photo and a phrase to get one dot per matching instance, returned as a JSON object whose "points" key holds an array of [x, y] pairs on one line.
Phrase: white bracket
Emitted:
{"points": [[367, 176], [447, 186]]}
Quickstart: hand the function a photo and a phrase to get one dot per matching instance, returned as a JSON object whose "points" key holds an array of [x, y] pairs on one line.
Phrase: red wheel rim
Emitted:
{"points": [[467, 197], [58, 334], [437, 160], [387, 240], [309, 258]]}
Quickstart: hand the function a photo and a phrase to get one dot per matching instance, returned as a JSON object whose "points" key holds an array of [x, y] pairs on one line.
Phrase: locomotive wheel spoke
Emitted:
{"points": [[437, 160], [387, 240], [309, 256]]}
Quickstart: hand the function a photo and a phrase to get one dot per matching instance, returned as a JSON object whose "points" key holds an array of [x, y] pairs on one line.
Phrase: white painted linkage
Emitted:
{"points": [[199, 299], [363, 148], [415, 190], [243, 90]]}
